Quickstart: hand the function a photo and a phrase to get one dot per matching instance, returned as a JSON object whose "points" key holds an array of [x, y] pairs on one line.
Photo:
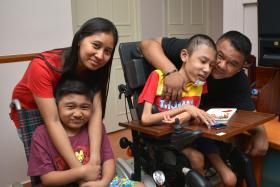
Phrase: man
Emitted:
{"points": [[228, 85]]}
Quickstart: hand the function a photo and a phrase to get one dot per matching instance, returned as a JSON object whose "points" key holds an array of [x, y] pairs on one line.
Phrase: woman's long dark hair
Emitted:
{"points": [[99, 78]]}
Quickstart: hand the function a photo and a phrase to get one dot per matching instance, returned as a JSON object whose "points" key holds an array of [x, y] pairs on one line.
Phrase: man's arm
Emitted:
{"points": [[154, 54], [258, 145]]}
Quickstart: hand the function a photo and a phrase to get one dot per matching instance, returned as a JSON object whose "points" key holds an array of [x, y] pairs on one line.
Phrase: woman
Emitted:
{"points": [[89, 58]]}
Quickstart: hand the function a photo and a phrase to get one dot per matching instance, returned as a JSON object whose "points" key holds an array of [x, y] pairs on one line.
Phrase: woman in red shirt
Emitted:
{"points": [[89, 58]]}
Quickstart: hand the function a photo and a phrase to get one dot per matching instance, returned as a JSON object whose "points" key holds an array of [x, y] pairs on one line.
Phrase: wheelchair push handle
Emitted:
{"points": [[16, 103]]}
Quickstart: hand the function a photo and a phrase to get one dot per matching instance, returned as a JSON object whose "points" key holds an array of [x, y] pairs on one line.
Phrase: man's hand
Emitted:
{"points": [[172, 86], [258, 144]]}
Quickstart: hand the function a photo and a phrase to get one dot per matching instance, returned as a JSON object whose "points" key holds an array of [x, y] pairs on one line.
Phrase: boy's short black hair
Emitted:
{"points": [[72, 85], [199, 39], [238, 41]]}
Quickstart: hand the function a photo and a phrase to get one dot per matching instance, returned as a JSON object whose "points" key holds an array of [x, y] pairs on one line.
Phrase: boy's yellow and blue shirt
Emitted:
{"points": [[153, 89]]}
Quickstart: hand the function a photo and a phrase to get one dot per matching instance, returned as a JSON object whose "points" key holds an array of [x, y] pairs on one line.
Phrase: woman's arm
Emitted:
{"points": [[95, 130], [48, 110], [108, 172], [59, 178]]}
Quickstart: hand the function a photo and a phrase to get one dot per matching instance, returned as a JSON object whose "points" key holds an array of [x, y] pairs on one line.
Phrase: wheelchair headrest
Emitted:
{"points": [[136, 68]]}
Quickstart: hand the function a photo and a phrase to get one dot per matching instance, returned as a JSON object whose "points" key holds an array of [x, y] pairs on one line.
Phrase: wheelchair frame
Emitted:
{"points": [[136, 71]]}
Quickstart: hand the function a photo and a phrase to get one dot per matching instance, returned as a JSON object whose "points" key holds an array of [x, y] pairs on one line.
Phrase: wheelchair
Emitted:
{"points": [[153, 153]]}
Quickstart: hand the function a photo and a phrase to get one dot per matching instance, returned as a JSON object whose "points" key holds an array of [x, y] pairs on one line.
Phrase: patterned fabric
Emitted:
{"points": [[122, 182], [29, 120]]}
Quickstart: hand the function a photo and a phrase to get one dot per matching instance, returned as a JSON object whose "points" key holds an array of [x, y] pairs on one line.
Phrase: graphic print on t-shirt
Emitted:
{"points": [[153, 89], [81, 153]]}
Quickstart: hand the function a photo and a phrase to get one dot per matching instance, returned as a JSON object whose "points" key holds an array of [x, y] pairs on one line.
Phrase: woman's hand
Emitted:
{"points": [[172, 86], [91, 172]]}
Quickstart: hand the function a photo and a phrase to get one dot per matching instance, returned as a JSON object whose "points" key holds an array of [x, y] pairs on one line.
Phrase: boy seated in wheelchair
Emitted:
{"points": [[198, 57], [74, 104]]}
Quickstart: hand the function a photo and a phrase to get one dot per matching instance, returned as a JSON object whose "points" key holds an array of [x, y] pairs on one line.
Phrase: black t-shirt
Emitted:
{"points": [[229, 92], [172, 48]]}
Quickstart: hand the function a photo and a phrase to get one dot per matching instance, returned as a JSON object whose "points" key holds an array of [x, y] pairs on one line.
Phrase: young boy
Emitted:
{"points": [[198, 58], [74, 103]]}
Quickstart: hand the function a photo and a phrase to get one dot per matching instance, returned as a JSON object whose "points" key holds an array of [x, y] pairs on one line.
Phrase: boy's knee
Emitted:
{"points": [[230, 179], [196, 159]]}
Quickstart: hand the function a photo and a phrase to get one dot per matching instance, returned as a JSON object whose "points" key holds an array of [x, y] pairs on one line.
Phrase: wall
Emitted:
{"points": [[215, 27], [241, 15], [26, 27], [152, 18]]}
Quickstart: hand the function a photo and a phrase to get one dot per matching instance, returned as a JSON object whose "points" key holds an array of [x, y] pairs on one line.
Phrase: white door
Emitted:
{"points": [[124, 14], [185, 18]]}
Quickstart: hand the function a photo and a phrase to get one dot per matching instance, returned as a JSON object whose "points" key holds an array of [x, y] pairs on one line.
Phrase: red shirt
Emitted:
{"points": [[153, 89], [39, 79]]}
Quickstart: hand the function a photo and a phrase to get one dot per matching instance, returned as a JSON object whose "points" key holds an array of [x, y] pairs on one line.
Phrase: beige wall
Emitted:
{"points": [[26, 27], [241, 15], [152, 18], [215, 27]]}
